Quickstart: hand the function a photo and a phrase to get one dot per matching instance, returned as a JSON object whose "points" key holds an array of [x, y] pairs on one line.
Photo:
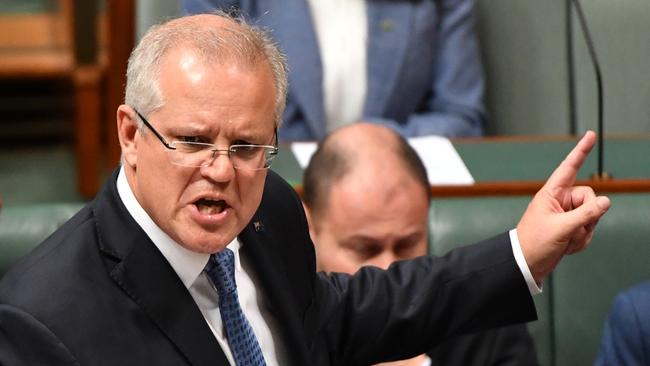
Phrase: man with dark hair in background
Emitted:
{"points": [[366, 196]]}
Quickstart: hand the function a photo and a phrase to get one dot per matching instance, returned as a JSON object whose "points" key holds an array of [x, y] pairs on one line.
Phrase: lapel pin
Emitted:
{"points": [[387, 25], [258, 226]]}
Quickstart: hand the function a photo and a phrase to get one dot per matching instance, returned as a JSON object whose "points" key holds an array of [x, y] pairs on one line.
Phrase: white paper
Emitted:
{"points": [[444, 165], [303, 152]]}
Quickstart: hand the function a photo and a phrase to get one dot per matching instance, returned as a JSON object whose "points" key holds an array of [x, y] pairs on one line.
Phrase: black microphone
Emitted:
{"points": [[600, 174]]}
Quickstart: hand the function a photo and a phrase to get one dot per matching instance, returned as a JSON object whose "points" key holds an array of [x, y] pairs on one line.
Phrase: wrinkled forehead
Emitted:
{"points": [[200, 54], [204, 95], [195, 63]]}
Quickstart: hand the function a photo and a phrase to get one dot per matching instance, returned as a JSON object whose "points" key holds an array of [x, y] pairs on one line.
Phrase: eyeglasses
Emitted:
{"points": [[200, 154]]}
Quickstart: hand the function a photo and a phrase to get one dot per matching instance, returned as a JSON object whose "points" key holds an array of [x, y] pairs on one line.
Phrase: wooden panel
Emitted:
{"points": [[37, 45], [34, 31], [44, 45], [35, 64], [88, 150], [121, 27]]}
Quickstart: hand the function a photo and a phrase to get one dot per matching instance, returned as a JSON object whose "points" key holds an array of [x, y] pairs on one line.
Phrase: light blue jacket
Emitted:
{"points": [[424, 71], [626, 337]]}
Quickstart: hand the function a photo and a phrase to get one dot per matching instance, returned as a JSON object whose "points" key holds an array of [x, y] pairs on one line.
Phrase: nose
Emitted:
{"points": [[219, 168], [384, 260]]}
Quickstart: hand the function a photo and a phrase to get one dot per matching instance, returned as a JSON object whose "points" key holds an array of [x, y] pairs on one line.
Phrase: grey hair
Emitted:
{"points": [[240, 42]]}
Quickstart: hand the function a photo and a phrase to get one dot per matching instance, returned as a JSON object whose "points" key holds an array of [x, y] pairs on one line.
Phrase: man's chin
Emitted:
{"points": [[206, 247], [207, 242]]}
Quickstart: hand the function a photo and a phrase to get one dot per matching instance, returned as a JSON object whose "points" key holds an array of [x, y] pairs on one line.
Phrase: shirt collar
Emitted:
{"points": [[187, 264]]}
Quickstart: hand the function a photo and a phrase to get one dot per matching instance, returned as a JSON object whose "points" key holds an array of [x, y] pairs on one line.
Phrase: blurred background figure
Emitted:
{"points": [[413, 66], [625, 336], [366, 196]]}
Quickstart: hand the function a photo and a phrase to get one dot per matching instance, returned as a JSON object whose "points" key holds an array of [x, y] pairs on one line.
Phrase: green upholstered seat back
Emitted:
{"points": [[578, 295], [585, 284], [25, 226], [461, 221]]}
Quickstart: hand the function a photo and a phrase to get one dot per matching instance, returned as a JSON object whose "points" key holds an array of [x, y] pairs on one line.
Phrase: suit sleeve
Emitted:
{"points": [[513, 346], [505, 346], [623, 339], [26, 341], [455, 104], [402, 312]]}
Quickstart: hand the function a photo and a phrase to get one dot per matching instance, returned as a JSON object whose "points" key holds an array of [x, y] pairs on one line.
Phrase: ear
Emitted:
{"points": [[127, 128], [310, 222], [313, 233]]}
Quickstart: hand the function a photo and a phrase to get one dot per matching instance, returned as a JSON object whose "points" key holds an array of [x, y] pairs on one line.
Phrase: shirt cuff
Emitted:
{"points": [[533, 287]]}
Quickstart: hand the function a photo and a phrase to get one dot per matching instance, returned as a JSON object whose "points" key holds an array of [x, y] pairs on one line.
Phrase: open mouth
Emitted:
{"points": [[210, 207]]}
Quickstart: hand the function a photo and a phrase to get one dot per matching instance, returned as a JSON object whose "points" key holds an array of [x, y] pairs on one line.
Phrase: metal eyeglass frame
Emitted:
{"points": [[215, 150]]}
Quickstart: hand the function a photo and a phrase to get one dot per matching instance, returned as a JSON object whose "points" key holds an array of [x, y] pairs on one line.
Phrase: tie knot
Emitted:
{"points": [[221, 270]]}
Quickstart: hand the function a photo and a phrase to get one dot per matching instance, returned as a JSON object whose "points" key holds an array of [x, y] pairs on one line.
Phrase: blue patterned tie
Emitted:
{"points": [[242, 341]]}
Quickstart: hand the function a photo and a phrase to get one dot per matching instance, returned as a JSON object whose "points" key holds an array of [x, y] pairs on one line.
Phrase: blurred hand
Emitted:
{"points": [[561, 218]]}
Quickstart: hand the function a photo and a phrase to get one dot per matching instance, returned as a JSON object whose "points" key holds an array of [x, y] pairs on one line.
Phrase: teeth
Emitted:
{"points": [[208, 207]]}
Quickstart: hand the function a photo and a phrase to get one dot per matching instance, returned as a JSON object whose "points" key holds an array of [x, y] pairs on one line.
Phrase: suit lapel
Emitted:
{"points": [[145, 276], [261, 249], [141, 271], [293, 29], [388, 35]]}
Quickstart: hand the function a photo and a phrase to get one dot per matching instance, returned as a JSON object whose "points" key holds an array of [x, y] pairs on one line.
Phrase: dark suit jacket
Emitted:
{"points": [[505, 346], [98, 292]]}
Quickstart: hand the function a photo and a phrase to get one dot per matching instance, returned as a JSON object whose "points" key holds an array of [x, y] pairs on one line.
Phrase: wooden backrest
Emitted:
{"points": [[37, 44]]}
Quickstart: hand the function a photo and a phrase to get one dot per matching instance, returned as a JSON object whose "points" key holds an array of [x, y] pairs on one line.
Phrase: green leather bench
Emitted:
{"points": [[576, 298], [456, 222], [23, 227], [578, 295]]}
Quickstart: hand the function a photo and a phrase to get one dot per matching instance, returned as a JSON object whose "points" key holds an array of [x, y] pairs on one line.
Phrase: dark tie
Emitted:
{"points": [[242, 341]]}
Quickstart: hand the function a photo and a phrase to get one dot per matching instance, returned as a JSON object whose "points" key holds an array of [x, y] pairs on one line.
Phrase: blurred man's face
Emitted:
{"points": [[203, 208], [369, 223]]}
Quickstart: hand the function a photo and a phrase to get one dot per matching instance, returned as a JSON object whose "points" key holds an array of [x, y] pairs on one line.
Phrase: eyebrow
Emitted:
{"points": [[247, 136], [197, 129], [259, 138], [412, 237], [358, 239]]}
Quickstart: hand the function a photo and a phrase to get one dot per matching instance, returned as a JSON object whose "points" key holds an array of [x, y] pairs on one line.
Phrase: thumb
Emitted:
{"points": [[586, 214]]}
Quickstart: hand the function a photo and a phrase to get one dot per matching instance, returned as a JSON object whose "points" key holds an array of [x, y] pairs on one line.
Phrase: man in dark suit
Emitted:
{"points": [[353, 223], [145, 274]]}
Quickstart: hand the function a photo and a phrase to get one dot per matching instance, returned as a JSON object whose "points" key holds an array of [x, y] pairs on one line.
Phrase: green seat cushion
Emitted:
{"points": [[25, 226]]}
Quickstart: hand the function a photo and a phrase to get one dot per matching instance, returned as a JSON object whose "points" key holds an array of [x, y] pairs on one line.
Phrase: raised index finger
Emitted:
{"points": [[564, 175]]}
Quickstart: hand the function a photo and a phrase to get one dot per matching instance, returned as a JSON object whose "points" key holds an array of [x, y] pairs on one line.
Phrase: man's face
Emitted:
{"points": [[368, 223], [203, 208]]}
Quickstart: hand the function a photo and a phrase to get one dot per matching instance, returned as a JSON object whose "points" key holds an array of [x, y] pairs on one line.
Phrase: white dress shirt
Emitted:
{"points": [[341, 28], [533, 287], [189, 267]]}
